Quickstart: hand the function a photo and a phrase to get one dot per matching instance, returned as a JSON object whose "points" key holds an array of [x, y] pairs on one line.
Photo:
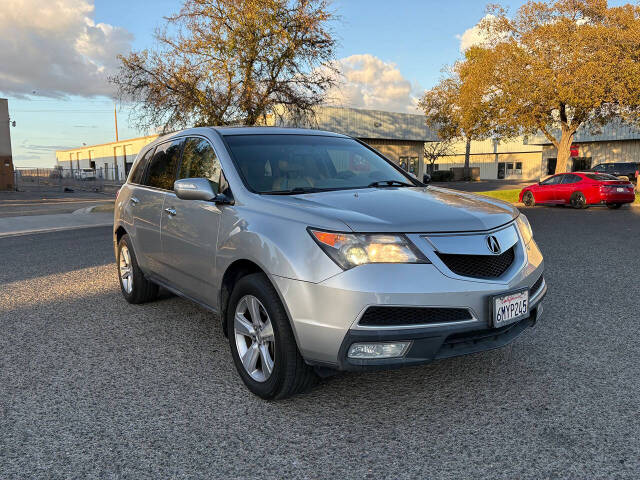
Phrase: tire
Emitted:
{"points": [[578, 200], [289, 373], [528, 199], [134, 286], [614, 206]]}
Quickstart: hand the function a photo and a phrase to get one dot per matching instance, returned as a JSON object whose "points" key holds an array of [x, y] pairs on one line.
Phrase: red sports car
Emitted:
{"points": [[579, 189]]}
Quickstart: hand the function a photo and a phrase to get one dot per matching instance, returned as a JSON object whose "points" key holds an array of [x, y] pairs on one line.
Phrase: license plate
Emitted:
{"points": [[509, 308], [620, 189]]}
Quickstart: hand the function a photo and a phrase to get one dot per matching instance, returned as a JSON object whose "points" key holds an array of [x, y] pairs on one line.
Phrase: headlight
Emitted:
{"points": [[349, 250], [525, 228]]}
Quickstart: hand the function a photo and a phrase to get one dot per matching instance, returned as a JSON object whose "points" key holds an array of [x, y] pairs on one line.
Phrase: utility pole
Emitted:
{"points": [[115, 117]]}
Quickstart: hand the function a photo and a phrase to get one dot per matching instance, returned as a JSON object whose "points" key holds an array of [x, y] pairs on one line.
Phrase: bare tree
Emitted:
{"points": [[435, 150], [221, 62]]}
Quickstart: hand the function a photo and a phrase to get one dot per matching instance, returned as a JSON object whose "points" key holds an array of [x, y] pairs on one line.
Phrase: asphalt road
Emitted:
{"points": [[91, 387], [13, 204]]}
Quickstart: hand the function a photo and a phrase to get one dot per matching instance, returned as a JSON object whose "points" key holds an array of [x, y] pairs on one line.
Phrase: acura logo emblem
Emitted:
{"points": [[493, 245]]}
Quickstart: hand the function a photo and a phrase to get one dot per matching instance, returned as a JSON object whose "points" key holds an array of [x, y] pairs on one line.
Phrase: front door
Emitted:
{"points": [[546, 191], [147, 200], [190, 227]]}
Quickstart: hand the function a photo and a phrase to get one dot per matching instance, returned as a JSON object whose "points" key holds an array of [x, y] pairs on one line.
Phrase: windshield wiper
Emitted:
{"points": [[390, 183], [294, 191]]}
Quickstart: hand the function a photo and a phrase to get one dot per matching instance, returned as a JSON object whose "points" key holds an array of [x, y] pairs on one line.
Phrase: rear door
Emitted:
{"points": [[568, 185], [147, 201], [190, 227]]}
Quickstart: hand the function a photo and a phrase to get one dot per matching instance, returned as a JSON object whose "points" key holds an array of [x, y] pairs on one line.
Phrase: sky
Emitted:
{"points": [[55, 56]]}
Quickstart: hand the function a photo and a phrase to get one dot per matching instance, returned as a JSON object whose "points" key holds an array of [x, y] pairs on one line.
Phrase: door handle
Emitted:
{"points": [[170, 211], [134, 200]]}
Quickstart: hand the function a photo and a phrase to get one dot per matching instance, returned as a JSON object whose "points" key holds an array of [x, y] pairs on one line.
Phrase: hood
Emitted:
{"points": [[403, 210]]}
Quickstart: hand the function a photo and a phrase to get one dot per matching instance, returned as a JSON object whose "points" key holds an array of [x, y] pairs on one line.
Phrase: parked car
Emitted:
{"points": [[85, 174], [619, 169], [580, 190], [319, 254]]}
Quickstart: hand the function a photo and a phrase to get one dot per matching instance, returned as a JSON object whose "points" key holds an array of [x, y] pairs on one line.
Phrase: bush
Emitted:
{"points": [[441, 176]]}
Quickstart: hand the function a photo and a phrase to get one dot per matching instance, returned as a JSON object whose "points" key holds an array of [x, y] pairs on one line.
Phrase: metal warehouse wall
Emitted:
{"points": [[601, 152], [394, 149], [488, 164]]}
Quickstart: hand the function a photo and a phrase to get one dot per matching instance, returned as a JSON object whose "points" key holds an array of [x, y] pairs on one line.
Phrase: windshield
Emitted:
{"points": [[307, 163]]}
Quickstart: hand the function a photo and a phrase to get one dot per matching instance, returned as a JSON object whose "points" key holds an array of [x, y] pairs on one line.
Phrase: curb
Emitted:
{"points": [[50, 230]]}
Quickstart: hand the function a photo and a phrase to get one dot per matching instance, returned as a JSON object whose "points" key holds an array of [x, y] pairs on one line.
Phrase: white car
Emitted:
{"points": [[85, 174]]}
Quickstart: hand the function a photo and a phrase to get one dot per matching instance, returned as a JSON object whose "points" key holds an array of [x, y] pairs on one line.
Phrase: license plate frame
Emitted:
{"points": [[494, 310]]}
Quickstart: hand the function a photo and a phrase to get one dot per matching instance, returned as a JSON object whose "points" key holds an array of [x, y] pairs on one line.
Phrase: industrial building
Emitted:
{"points": [[535, 157], [399, 136], [110, 161], [6, 159]]}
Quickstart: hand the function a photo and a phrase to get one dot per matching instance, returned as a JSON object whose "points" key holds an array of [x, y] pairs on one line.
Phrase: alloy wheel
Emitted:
{"points": [[124, 268], [254, 338]]}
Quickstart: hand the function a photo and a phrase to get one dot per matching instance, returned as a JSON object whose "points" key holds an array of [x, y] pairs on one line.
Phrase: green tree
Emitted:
{"points": [[553, 67], [221, 62], [455, 111]]}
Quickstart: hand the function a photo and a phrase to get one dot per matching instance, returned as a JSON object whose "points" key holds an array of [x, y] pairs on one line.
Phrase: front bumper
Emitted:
{"points": [[325, 316], [436, 344]]}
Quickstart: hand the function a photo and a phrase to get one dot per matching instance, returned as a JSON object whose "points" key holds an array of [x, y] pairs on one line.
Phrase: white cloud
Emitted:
{"points": [[473, 36], [368, 82], [55, 48]]}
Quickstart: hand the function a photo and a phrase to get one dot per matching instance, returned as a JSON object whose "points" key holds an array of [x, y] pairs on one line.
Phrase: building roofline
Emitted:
{"points": [[156, 135]]}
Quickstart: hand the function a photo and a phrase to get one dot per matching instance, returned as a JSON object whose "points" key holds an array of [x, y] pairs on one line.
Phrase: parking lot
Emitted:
{"points": [[92, 387]]}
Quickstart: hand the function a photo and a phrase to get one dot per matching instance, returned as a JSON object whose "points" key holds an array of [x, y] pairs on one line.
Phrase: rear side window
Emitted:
{"points": [[137, 176], [163, 167], [571, 179], [199, 160], [601, 177]]}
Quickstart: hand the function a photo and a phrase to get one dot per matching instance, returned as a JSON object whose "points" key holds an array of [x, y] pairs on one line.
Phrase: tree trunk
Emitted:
{"points": [[467, 154], [564, 150]]}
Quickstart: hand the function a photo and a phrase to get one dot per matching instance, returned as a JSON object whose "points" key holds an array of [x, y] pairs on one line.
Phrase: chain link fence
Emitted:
{"points": [[85, 179]]}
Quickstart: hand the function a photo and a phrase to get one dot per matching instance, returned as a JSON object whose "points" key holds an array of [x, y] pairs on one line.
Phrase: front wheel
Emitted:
{"points": [[614, 206], [528, 199], [262, 344], [578, 200]]}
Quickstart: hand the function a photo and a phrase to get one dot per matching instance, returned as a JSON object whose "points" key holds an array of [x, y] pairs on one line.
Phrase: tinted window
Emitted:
{"points": [[571, 179], [553, 180], [139, 168], [164, 165], [281, 163], [601, 177], [200, 161], [599, 168]]}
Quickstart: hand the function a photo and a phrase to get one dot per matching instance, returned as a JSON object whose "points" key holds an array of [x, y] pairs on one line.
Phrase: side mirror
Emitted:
{"points": [[194, 189], [426, 179]]}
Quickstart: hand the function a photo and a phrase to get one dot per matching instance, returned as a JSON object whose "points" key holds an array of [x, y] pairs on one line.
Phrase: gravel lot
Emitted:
{"points": [[91, 387]]}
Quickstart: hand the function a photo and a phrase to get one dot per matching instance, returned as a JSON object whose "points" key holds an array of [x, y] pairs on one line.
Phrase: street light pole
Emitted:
{"points": [[115, 117]]}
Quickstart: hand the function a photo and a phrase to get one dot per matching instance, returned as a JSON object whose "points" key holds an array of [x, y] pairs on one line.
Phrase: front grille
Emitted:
{"points": [[536, 286], [393, 316], [478, 266]]}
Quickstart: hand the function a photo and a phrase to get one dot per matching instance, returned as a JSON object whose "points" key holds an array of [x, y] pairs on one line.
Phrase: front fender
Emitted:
{"points": [[279, 246]]}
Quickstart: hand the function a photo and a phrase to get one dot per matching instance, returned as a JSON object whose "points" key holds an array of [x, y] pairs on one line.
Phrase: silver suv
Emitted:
{"points": [[318, 254]]}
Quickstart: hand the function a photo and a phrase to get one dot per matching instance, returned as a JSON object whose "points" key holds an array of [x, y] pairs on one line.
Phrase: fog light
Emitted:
{"points": [[378, 350]]}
